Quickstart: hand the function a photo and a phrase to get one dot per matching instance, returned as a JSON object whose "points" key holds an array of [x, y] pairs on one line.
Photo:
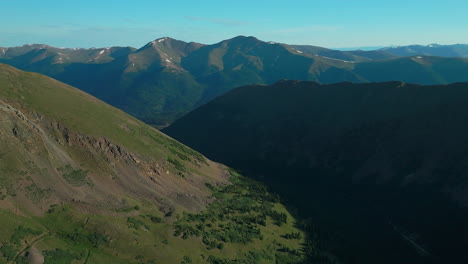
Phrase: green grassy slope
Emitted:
{"points": [[83, 182], [228, 232]]}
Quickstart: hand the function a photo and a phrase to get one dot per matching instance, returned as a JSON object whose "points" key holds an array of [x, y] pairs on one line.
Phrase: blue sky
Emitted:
{"points": [[330, 23]]}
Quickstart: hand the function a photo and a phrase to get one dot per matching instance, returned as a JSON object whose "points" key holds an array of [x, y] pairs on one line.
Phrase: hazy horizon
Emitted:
{"points": [[366, 48], [332, 24]]}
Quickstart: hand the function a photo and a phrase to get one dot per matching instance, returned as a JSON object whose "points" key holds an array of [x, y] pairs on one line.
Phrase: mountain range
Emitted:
{"points": [[456, 50], [167, 78], [83, 182], [379, 168], [366, 149]]}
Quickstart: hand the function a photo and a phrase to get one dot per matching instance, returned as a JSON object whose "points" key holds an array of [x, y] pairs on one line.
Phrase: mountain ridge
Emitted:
{"points": [[166, 78], [453, 50]]}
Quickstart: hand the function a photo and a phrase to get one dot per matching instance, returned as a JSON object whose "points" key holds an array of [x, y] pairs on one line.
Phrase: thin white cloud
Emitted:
{"points": [[219, 21], [307, 29]]}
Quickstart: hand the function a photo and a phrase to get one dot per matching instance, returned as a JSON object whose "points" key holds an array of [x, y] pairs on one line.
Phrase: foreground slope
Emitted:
{"points": [[83, 181], [380, 167], [163, 80]]}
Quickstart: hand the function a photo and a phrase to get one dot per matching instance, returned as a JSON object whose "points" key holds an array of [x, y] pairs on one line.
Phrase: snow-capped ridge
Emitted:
{"points": [[156, 41]]}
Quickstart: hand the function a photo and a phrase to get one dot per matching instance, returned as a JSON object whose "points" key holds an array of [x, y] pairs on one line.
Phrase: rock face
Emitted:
{"points": [[376, 166], [51, 158]]}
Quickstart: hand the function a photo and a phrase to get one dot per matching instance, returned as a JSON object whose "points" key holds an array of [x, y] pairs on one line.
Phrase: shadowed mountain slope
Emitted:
{"points": [[379, 167]]}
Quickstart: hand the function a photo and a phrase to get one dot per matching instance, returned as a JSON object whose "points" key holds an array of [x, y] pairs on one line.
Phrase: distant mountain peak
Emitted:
{"points": [[37, 46], [163, 40], [156, 41], [159, 40], [390, 47], [244, 38], [171, 43]]}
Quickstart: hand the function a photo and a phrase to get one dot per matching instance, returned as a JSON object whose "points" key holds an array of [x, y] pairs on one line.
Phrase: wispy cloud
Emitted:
{"points": [[307, 29], [219, 21], [85, 36]]}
